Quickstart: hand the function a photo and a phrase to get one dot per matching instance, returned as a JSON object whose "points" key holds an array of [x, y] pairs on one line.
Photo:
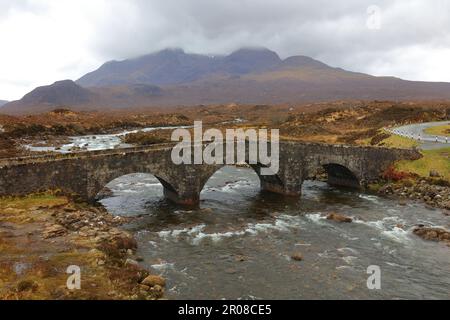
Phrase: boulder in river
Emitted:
{"points": [[339, 217], [433, 234], [297, 256]]}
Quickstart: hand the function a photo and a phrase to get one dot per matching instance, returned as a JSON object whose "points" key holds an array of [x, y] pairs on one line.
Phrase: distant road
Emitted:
{"points": [[417, 132]]}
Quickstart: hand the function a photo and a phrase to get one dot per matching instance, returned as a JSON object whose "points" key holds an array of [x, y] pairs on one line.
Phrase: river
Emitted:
{"points": [[239, 243], [94, 142]]}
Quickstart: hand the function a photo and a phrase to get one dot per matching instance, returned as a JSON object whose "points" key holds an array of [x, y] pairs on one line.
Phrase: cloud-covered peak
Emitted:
{"points": [[45, 40]]}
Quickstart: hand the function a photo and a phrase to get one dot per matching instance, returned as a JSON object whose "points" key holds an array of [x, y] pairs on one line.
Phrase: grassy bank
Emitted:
{"points": [[395, 141], [383, 138], [439, 130], [433, 160], [437, 161]]}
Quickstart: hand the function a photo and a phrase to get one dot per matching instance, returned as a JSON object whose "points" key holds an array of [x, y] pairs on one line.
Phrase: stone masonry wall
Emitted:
{"points": [[87, 173]]}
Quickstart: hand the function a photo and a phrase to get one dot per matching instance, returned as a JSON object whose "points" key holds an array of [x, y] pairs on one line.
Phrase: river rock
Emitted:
{"points": [[434, 192], [240, 258], [433, 234], [124, 242], [386, 189], [446, 205], [339, 217], [297, 256], [157, 288], [54, 231], [131, 262], [153, 280], [144, 288]]}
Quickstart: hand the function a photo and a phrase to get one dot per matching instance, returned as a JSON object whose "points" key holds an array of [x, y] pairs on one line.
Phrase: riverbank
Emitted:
{"points": [[433, 192], [42, 235]]}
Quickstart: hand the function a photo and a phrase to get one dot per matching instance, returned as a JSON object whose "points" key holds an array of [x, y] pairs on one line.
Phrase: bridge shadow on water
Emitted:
{"points": [[230, 193]]}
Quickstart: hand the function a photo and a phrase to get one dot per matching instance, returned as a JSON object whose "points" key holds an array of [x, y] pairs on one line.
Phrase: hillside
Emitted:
{"points": [[174, 66], [248, 76]]}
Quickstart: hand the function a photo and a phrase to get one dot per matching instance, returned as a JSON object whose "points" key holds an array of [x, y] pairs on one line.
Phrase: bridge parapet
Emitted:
{"points": [[86, 173]]}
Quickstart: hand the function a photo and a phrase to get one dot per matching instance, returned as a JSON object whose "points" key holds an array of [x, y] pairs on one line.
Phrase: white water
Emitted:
{"points": [[239, 243], [96, 142]]}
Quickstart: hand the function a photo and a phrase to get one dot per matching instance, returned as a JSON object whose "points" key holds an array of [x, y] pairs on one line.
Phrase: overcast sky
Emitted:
{"points": [[42, 41]]}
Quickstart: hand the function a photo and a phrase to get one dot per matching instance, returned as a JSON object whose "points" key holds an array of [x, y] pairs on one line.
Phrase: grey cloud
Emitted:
{"points": [[332, 31], [329, 30], [9, 7]]}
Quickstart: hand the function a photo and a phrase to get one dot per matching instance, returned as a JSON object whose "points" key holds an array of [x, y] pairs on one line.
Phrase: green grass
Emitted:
{"points": [[439, 130], [438, 160], [395, 141], [45, 199]]}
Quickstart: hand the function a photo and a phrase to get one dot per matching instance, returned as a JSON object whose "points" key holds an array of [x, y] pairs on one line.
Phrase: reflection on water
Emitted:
{"points": [[239, 243]]}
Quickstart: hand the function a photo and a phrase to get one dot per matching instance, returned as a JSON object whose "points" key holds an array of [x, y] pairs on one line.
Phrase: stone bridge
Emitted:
{"points": [[87, 173]]}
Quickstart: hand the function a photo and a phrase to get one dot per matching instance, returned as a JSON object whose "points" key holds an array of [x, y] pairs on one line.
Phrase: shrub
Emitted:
{"points": [[391, 174]]}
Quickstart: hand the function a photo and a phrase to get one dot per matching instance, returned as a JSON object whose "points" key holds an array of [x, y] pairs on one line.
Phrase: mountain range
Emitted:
{"points": [[173, 77], [3, 102]]}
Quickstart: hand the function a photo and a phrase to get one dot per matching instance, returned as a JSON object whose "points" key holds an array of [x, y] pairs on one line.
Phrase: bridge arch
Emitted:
{"points": [[271, 183], [85, 174], [341, 175], [230, 178], [97, 181]]}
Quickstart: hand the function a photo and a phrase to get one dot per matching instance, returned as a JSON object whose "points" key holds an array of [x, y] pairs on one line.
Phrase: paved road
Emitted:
{"points": [[416, 132]]}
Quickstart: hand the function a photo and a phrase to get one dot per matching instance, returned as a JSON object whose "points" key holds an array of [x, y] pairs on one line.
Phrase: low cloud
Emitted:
{"points": [[48, 40]]}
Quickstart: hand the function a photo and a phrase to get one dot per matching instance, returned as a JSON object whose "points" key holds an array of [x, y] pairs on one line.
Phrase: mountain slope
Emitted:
{"points": [[61, 93], [252, 76], [174, 66], [169, 66], [3, 102], [68, 94]]}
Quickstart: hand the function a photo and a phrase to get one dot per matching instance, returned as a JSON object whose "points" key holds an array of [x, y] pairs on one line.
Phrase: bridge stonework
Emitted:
{"points": [[87, 173]]}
